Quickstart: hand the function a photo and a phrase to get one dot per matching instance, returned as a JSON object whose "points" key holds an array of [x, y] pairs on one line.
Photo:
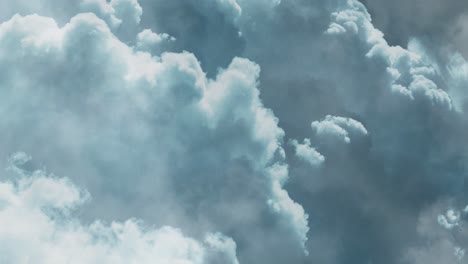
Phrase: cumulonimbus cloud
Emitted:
{"points": [[150, 106]]}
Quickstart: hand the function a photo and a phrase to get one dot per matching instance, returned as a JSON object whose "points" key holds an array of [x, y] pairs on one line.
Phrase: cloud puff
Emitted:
{"points": [[450, 219], [148, 40], [337, 128], [37, 226], [307, 153]]}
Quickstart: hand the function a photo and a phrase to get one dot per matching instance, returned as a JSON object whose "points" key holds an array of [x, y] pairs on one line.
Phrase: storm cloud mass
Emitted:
{"points": [[233, 131]]}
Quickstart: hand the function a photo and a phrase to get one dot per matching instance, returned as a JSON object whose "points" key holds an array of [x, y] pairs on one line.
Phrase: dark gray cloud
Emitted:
{"points": [[441, 23], [367, 197], [205, 28], [411, 157]]}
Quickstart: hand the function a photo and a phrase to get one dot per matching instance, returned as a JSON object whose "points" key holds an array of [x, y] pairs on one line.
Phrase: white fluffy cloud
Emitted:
{"points": [[147, 39], [450, 219], [307, 153], [36, 226], [152, 135], [337, 129]]}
